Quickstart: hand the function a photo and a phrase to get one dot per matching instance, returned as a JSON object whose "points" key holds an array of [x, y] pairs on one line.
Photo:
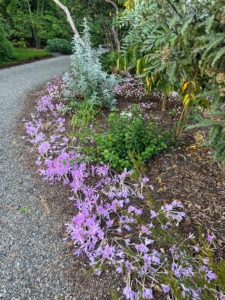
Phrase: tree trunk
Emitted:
{"points": [[116, 39], [114, 33], [36, 37], [70, 20]]}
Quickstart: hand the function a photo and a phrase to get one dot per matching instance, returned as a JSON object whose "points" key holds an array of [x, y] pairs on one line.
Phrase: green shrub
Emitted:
{"points": [[130, 136], [108, 61], [59, 45], [7, 51]]}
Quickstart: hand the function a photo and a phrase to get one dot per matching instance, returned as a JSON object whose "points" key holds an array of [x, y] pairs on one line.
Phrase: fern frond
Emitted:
{"points": [[185, 26], [209, 22], [212, 45], [219, 54]]}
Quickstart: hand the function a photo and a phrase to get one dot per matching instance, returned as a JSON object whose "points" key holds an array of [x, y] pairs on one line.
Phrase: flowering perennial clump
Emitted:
{"points": [[130, 88], [113, 207]]}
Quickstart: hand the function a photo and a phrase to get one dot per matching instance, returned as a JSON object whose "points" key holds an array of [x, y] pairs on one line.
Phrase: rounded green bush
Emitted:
{"points": [[59, 45]]}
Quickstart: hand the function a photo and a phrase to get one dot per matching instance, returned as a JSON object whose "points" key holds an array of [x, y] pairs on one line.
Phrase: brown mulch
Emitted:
{"points": [[185, 173]]}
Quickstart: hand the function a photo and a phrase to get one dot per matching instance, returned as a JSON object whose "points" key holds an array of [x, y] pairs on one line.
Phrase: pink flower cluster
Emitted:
{"points": [[130, 88]]}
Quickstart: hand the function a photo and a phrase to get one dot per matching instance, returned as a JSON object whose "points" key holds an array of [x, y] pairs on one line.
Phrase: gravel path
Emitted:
{"points": [[32, 261]]}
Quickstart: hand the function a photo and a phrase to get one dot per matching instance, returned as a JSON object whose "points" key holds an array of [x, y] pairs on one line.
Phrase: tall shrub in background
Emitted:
{"points": [[88, 79], [59, 45], [7, 51]]}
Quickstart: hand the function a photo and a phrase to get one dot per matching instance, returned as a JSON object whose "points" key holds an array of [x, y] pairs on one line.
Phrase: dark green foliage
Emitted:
{"points": [[33, 22], [128, 136], [7, 52], [59, 45], [108, 61]]}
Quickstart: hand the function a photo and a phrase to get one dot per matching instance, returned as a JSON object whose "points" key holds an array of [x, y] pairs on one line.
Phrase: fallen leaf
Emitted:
{"points": [[159, 180], [45, 206]]}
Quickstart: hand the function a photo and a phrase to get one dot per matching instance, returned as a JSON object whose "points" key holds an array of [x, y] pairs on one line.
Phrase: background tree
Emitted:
{"points": [[33, 22]]}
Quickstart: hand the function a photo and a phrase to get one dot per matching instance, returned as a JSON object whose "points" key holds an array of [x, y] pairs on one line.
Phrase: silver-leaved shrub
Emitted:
{"points": [[88, 80]]}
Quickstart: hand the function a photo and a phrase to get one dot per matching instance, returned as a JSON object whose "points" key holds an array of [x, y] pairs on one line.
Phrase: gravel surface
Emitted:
{"points": [[32, 256]]}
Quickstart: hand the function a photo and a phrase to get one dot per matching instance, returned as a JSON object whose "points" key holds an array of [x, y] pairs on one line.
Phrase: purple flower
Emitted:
{"points": [[142, 248], [131, 208], [147, 293], [151, 187], [129, 266], [210, 238], [153, 214], [129, 293], [109, 223], [107, 251], [211, 275], [165, 288], [145, 179], [44, 147], [144, 229], [119, 270]]}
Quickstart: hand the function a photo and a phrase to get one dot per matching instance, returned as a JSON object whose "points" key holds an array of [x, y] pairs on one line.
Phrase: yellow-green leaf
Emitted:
{"points": [[184, 86], [186, 100]]}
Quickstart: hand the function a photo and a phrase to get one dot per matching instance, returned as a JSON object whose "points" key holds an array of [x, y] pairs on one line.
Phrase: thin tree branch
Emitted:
{"points": [[114, 33], [174, 8], [70, 20], [114, 4]]}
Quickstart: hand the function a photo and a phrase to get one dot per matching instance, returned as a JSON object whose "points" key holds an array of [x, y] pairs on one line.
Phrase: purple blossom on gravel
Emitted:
{"points": [[44, 147], [129, 293], [31, 129], [44, 104], [119, 270]]}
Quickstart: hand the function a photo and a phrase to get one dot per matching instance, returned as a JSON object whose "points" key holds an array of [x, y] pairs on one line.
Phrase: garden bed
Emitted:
{"points": [[184, 173]]}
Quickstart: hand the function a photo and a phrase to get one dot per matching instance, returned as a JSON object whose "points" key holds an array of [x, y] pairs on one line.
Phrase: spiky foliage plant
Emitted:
{"points": [[88, 79]]}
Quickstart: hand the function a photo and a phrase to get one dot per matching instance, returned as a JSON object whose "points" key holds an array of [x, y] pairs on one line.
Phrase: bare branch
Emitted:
{"points": [[174, 8]]}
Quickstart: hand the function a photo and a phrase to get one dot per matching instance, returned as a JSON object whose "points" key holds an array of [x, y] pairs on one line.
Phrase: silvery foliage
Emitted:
{"points": [[87, 78]]}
